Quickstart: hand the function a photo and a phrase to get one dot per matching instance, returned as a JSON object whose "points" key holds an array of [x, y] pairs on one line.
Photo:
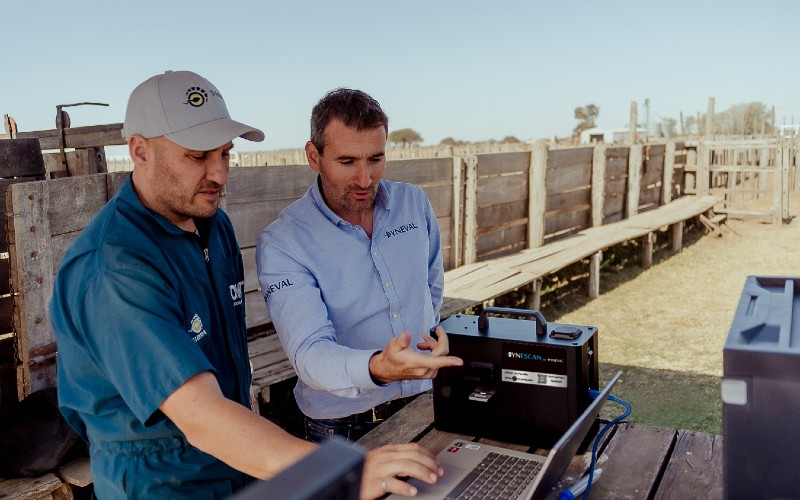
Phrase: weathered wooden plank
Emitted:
{"points": [[568, 177], [79, 137], [256, 309], [114, 181], [614, 207], [32, 271], [616, 186], [404, 426], [502, 189], [267, 184], [420, 171], [695, 466], [455, 256], [566, 201], [470, 209], [580, 218], [598, 187], [441, 198], [494, 215], [650, 197], [559, 158], [503, 163], [636, 455], [77, 472], [537, 194], [29, 488], [21, 158], [74, 201], [634, 180], [250, 218], [515, 235]]}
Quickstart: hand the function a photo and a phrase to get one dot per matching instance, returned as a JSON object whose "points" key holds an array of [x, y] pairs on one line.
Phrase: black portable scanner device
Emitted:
{"points": [[523, 380]]}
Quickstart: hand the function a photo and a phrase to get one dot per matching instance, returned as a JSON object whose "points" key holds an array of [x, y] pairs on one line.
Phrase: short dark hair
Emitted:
{"points": [[354, 108]]}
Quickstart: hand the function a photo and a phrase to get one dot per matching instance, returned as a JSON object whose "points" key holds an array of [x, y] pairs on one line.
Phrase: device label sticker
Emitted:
{"points": [[534, 358], [534, 378]]}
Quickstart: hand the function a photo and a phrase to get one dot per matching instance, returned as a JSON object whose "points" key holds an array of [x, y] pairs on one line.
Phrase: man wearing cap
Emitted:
{"points": [[153, 365]]}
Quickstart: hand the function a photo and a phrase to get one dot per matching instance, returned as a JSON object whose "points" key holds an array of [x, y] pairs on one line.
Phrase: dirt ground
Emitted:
{"points": [[665, 327]]}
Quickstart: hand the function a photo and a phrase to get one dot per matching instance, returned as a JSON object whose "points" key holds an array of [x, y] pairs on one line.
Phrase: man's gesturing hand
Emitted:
{"points": [[398, 361]]}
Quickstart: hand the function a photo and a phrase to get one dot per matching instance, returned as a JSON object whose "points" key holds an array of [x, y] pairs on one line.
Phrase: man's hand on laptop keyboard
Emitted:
{"points": [[387, 466]]}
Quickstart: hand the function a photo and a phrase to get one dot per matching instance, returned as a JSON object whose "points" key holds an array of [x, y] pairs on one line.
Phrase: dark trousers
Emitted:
{"points": [[353, 427]]}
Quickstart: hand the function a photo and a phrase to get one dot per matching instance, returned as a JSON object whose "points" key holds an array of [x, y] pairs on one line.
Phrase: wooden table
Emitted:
{"points": [[641, 461]]}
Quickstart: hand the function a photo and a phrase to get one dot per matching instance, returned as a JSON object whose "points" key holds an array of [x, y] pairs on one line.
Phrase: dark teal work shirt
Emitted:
{"points": [[137, 311]]}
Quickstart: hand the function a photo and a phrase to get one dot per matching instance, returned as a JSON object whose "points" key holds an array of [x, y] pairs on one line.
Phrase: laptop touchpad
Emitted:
{"points": [[452, 475]]}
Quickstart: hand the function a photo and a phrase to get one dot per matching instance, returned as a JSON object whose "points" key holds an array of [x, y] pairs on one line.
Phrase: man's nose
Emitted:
{"points": [[363, 175], [218, 169]]}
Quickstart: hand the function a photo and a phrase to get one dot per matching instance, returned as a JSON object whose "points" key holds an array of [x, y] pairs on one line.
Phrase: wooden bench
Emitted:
{"points": [[473, 284]]}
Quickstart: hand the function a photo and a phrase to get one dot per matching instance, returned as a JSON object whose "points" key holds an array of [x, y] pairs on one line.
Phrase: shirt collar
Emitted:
{"points": [[381, 200]]}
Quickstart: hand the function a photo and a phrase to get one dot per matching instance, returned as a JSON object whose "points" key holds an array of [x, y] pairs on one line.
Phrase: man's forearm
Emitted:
{"points": [[229, 431]]}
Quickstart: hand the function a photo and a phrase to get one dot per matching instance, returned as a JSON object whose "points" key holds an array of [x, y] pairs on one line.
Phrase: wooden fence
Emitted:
{"points": [[487, 206]]}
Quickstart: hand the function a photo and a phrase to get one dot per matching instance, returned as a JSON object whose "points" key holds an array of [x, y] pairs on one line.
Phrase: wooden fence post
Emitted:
{"points": [[537, 194], [783, 175], [634, 180], [669, 171], [471, 210], [457, 240], [701, 173], [32, 274], [598, 198], [598, 183]]}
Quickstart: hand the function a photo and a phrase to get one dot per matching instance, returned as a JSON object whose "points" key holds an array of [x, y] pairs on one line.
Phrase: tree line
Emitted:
{"points": [[740, 119]]}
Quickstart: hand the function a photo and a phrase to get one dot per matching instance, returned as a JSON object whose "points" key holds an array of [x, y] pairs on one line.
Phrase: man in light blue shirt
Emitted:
{"points": [[352, 276]]}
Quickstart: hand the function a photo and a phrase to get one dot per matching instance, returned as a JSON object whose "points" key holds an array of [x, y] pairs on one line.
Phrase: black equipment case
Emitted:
{"points": [[522, 381]]}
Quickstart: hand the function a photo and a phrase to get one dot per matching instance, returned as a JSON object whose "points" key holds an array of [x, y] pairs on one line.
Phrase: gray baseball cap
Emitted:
{"points": [[185, 108]]}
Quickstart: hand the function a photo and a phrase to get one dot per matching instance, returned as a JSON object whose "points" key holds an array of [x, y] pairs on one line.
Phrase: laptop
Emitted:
{"points": [[463, 461]]}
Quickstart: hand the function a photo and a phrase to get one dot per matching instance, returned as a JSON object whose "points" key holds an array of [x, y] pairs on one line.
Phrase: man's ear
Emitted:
{"points": [[138, 149], [313, 156]]}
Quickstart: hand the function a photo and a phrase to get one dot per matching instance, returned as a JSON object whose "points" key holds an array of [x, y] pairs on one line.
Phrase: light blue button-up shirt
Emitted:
{"points": [[337, 296]]}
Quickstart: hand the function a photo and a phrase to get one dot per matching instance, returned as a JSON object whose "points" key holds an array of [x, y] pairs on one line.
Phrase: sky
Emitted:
{"points": [[470, 70]]}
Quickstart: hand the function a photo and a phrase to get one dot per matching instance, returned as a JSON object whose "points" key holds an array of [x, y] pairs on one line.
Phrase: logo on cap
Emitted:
{"points": [[196, 96]]}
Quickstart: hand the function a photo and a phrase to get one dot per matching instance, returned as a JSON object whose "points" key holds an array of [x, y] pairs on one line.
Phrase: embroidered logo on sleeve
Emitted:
{"points": [[401, 229], [280, 285], [237, 290], [196, 328]]}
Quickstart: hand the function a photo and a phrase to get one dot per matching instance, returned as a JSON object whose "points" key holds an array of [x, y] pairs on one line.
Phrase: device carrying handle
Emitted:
{"points": [[541, 323]]}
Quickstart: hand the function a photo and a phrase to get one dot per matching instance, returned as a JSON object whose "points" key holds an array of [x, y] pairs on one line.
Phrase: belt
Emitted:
{"points": [[380, 412]]}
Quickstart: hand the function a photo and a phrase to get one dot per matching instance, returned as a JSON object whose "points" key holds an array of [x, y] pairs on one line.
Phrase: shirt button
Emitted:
{"points": [[387, 285], [405, 381], [374, 253], [394, 315]]}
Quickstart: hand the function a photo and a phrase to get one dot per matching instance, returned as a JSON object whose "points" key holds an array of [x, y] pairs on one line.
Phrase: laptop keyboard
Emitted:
{"points": [[498, 476]]}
